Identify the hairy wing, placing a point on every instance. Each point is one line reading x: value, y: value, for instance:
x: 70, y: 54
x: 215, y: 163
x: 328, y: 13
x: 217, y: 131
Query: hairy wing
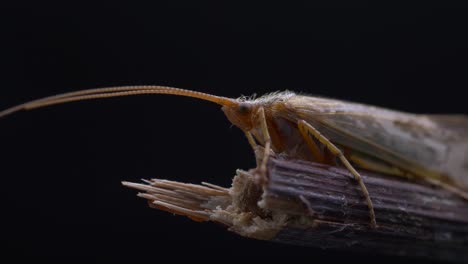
x: 427, y: 145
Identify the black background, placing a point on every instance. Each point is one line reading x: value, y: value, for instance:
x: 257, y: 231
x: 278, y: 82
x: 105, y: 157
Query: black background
x: 61, y: 166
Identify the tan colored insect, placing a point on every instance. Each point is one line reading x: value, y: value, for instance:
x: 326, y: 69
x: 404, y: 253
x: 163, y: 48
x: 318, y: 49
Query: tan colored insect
x: 431, y: 147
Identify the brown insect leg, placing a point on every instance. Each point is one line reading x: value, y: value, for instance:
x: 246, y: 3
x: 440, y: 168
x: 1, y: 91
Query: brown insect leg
x: 365, y: 162
x: 317, y: 154
x: 254, y: 146
x: 251, y: 140
x: 267, y: 140
x: 448, y: 187
x: 310, y: 130
x: 369, y: 163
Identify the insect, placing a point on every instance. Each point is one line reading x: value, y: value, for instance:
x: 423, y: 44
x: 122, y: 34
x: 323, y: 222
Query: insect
x: 430, y: 147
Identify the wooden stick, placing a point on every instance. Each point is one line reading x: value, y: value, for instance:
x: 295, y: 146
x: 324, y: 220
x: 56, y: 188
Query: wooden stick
x: 311, y: 204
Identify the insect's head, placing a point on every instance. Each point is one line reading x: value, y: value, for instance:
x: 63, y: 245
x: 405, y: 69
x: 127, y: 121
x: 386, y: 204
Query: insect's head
x: 241, y: 114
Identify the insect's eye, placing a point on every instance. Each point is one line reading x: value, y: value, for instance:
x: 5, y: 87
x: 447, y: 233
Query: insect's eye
x: 243, y: 108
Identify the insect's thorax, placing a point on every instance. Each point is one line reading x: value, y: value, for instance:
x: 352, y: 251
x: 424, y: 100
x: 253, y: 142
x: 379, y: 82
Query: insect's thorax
x: 286, y: 138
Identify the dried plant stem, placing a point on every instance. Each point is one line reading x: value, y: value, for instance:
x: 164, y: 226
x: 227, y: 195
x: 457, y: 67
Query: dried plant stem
x: 314, y: 205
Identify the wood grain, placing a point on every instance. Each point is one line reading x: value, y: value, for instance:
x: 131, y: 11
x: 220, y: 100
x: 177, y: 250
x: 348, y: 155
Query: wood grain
x: 310, y: 204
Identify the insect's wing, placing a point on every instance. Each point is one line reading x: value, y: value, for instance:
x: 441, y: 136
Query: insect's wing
x: 426, y: 145
x: 421, y: 149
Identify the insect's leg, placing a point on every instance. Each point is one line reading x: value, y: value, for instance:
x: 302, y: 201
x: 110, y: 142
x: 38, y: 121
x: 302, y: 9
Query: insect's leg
x: 448, y: 187
x: 369, y: 163
x: 254, y: 145
x: 317, y: 154
x: 310, y: 130
x: 251, y: 140
x: 266, y: 139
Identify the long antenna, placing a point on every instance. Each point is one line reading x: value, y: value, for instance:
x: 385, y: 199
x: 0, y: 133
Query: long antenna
x: 115, y: 92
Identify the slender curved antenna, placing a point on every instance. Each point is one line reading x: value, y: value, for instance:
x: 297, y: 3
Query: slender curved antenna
x: 115, y: 92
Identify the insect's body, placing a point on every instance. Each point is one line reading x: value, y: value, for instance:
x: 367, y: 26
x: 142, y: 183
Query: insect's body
x: 424, y: 146
x: 431, y: 147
